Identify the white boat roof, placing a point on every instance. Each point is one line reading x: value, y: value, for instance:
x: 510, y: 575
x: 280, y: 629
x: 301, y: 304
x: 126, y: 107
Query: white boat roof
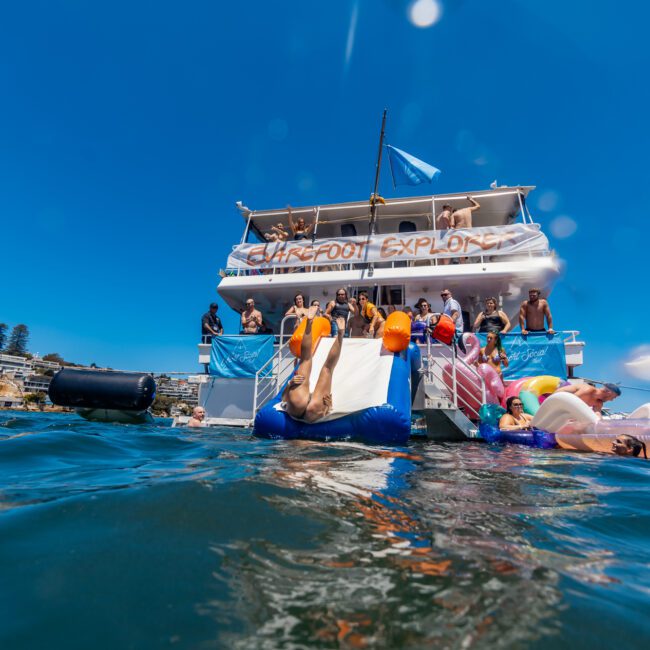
x: 498, y: 207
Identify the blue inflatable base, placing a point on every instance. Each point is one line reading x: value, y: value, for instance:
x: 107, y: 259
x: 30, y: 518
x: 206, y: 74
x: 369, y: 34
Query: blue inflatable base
x: 529, y: 437
x: 384, y: 425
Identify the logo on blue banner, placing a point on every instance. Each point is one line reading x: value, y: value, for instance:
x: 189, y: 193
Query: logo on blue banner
x: 537, y: 353
x: 239, y: 356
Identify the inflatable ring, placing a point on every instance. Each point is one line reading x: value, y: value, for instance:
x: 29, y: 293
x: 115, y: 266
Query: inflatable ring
x: 542, y: 384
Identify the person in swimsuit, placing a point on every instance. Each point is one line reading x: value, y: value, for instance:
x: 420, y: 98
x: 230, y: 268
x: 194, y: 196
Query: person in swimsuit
x: 300, y: 402
x: 592, y: 396
x: 298, y: 309
x: 374, y: 320
x: 425, y: 314
x: 316, y: 303
x: 356, y: 324
x: 532, y: 313
x: 299, y: 229
x: 627, y: 445
x: 251, y: 318
x: 515, y: 418
x: 279, y: 233
x: 198, y: 417
x: 340, y: 307
x: 493, y: 353
x: 492, y: 319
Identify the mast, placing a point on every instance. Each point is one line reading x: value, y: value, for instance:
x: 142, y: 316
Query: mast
x: 373, y: 198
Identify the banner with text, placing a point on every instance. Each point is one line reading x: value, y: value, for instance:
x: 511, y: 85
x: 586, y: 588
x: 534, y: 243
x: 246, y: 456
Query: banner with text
x: 393, y: 247
x: 537, y: 353
x: 239, y: 356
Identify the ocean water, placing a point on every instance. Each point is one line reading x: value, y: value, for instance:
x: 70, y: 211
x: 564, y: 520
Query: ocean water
x: 117, y: 536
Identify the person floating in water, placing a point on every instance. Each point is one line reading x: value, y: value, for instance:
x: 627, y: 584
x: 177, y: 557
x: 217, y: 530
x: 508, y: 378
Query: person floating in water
x: 626, y: 445
x: 592, y: 396
x: 198, y: 417
x: 515, y: 419
x: 299, y: 402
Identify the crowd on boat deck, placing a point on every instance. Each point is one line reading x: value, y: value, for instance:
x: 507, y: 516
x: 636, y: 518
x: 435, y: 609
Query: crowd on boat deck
x: 365, y: 319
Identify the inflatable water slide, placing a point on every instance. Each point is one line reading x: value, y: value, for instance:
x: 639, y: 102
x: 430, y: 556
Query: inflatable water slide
x: 371, y: 388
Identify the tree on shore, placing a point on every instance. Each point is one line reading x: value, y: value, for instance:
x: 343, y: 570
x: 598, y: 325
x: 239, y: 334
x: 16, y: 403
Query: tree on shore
x: 18, y: 341
x: 3, y: 335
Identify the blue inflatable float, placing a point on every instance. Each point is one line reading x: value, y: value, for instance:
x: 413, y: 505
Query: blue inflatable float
x: 367, y: 373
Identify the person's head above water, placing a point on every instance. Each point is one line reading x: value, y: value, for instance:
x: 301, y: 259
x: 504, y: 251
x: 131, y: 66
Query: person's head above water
x: 514, y: 406
x: 626, y: 445
x: 198, y: 412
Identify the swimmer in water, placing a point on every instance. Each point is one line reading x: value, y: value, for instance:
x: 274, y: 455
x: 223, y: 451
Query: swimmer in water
x: 300, y: 403
x: 626, y: 445
x: 592, y: 396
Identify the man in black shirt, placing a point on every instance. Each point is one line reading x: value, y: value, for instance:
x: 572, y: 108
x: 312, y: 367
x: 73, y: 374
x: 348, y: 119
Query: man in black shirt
x: 211, y: 324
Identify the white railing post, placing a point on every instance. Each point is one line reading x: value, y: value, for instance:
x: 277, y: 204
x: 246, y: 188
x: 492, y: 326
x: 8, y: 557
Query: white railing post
x: 454, y: 384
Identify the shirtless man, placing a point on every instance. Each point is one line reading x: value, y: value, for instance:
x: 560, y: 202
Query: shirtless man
x: 462, y: 218
x: 251, y: 318
x: 300, y: 402
x: 356, y: 323
x: 592, y: 396
x: 198, y: 415
x: 532, y: 313
x: 443, y: 220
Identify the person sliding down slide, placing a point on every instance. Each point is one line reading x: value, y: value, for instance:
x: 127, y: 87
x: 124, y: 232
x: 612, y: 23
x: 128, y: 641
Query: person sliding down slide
x: 300, y: 403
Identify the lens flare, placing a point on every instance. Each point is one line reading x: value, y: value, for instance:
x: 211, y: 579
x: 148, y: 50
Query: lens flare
x: 424, y: 13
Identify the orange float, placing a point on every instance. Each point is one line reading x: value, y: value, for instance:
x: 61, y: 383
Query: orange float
x: 320, y: 327
x: 397, y: 331
x: 445, y: 329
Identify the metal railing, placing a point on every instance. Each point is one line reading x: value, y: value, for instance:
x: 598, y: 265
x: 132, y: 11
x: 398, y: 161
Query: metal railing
x: 436, y: 371
x: 269, y: 377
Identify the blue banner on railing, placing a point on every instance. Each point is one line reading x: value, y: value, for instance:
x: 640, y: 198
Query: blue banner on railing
x: 535, y: 354
x: 239, y: 356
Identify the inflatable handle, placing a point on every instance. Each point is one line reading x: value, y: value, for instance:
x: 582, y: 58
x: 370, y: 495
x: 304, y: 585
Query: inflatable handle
x: 473, y: 347
x: 397, y: 332
x: 320, y: 327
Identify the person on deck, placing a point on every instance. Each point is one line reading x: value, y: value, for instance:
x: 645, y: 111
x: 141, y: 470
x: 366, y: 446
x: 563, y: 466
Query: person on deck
x: 453, y: 310
x: 356, y: 323
x: 299, y: 402
x: 374, y: 320
x: 492, y: 319
x: 443, y: 219
x: 532, y: 313
x: 211, y: 324
x: 462, y: 217
x: 425, y: 314
x: 279, y: 233
x: 251, y: 318
x: 592, y: 396
x: 298, y: 309
x: 198, y: 417
x: 493, y: 353
x: 316, y: 303
x: 409, y: 312
x: 515, y: 418
x: 340, y: 307
x: 299, y: 229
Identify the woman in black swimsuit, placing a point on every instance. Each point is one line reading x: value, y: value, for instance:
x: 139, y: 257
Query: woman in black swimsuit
x: 492, y: 319
x: 339, y: 308
x: 299, y: 229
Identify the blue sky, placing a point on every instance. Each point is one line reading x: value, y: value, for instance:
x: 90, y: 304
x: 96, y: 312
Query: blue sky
x: 128, y: 131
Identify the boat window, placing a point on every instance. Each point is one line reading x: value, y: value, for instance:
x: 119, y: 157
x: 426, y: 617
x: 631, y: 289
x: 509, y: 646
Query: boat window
x: 348, y: 230
x: 392, y: 295
x: 407, y: 226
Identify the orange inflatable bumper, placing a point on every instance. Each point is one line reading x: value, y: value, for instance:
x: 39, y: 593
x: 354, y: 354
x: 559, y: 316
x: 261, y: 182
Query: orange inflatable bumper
x: 320, y: 327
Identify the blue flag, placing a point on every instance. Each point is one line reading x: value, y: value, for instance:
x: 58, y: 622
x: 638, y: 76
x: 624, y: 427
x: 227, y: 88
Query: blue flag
x: 409, y: 170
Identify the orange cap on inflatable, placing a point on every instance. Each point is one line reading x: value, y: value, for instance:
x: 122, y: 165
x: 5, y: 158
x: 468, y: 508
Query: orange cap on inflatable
x: 445, y: 329
x: 397, y: 331
x: 320, y: 327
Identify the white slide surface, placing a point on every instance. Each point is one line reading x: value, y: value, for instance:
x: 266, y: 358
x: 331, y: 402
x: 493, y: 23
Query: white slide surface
x: 360, y: 379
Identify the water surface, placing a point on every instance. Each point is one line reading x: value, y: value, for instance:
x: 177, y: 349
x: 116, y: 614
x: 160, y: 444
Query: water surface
x: 115, y: 536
